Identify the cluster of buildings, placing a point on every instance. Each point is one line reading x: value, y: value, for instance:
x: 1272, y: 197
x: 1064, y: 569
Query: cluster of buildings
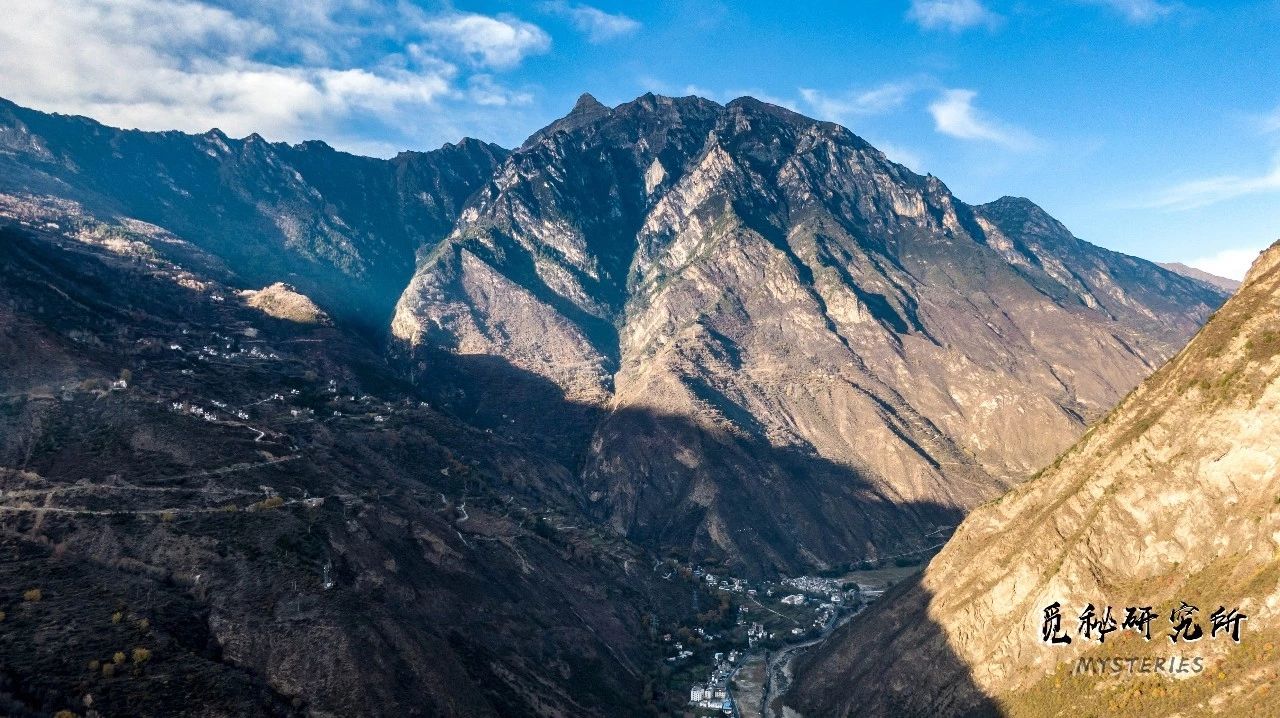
x: 681, y: 653
x: 825, y: 596
x: 711, y: 698
x: 735, y: 585
x: 714, y: 693
x: 183, y: 407
x: 210, y: 414
x: 229, y: 352
x: 813, y: 584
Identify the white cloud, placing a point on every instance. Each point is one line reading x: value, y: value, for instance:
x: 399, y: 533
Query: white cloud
x: 860, y: 103
x: 954, y: 15
x: 497, y: 42
x: 1137, y: 11
x: 598, y: 25
x: 287, y: 70
x: 1211, y: 190
x: 1230, y: 263
x: 955, y: 115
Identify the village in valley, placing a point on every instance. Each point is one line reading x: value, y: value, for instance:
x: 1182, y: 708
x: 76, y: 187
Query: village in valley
x: 748, y: 626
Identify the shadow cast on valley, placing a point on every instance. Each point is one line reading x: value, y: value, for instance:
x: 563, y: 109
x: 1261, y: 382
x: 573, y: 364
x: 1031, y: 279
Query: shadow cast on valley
x: 731, y: 502
x: 700, y: 490
x: 892, y: 661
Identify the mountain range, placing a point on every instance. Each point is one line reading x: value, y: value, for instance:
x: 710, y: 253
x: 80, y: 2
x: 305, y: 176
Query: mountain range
x: 795, y: 352
x: 448, y: 415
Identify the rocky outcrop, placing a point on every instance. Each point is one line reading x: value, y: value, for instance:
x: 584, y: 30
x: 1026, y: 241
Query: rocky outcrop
x: 282, y: 302
x: 1172, y: 497
x: 799, y: 354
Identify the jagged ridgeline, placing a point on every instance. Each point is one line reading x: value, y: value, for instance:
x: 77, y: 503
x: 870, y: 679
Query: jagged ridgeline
x: 780, y: 347
x: 341, y: 435
x: 1174, y: 497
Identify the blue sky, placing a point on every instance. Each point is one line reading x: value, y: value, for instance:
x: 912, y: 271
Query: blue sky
x: 1147, y: 126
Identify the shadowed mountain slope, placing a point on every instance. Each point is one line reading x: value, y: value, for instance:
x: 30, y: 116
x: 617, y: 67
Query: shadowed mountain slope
x: 768, y: 279
x: 271, y: 513
x: 673, y: 329
x: 343, y: 228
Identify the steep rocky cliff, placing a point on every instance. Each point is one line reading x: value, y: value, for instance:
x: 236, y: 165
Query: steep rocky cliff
x: 786, y: 348
x: 1174, y: 497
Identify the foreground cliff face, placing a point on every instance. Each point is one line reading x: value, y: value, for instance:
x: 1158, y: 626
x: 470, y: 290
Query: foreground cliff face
x: 789, y: 350
x: 1174, y: 497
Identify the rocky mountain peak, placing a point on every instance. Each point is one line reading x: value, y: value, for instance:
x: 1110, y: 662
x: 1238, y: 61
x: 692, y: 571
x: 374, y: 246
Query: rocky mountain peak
x: 745, y: 282
x: 586, y: 111
x: 750, y: 106
x: 725, y: 336
x: 1020, y: 211
x: 588, y: 104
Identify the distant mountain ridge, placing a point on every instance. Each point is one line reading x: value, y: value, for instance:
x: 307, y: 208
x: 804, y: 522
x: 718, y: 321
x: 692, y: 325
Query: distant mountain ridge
x: 344, y: 228
x: 862, y: 354
x: 1223, y: 283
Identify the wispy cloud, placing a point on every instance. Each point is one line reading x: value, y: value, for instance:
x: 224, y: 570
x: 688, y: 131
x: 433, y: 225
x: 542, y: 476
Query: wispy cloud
x: 953, y: 15
x: 598, y: 25
x: 486, y: 91
x: 1212, y: 190
x: 1271, y: 122
x: 1230, y: 263
x: 1206, y: 191
x: 1138, y: 11
x: 357, y: 74
x: 954, y: 115
x: 844, y: 106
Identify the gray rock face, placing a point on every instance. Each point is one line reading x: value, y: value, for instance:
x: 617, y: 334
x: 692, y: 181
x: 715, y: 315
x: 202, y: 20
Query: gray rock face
x: 798, y: 353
